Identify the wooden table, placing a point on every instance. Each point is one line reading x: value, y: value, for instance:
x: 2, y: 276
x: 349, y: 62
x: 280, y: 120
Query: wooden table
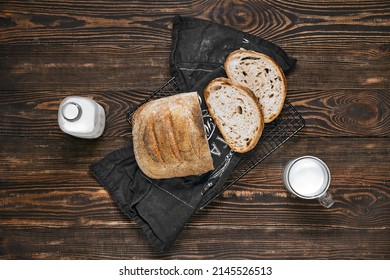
x: 51, y: 207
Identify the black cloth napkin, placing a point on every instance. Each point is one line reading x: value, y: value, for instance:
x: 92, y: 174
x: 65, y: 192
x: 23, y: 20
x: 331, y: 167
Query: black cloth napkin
x: 201, y: 46
x: 163, y: 207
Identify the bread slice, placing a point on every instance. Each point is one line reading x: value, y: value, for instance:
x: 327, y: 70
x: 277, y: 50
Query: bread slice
x: 169, y: 138
x: 262, y: 75
x: 236, y: 113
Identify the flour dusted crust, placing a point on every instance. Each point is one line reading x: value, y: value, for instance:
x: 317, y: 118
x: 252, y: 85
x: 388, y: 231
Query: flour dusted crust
x: 169, y: 138
x: 236, y: 113
x: 262, y: 75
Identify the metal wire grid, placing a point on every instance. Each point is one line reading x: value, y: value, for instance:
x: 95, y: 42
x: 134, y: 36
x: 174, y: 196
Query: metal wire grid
x: 169, y: 88
x: 287, y: 124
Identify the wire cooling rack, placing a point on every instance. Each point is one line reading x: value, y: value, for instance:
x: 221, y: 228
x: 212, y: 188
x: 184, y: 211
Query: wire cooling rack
x: 286, y: 125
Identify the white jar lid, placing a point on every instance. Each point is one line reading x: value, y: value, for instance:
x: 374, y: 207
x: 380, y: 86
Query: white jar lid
x: 71, y: 111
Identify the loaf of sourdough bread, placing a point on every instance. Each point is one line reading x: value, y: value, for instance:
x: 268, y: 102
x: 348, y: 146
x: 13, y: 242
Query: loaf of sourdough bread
x: 169, y: 138
x: 236, y: 113
x: 262, y: 76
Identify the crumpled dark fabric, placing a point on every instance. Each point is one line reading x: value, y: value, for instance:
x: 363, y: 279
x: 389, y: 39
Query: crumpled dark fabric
x: 163, y: 207
x: 200, y: 46
x: 155, y: 207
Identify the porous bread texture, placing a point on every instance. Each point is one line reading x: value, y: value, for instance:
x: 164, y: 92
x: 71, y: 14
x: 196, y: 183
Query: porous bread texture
x: 169, y: 138
x: 262, y: 75
x: 236, y: 113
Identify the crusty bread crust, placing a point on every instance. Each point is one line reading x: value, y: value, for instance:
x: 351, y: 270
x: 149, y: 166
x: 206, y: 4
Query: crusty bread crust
x: 236, y: 112
x: 169, y: 138
x: 263, y: 76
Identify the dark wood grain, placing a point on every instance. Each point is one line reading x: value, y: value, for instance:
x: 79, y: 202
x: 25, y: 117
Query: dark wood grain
x: 107, y: 41
x: 340, y: 112
x: 117, y: 52
x: 250, y: 243
x: 74, y: 201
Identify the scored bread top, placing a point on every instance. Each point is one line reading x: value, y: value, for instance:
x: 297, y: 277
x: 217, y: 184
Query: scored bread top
x: 262, y: 75
x: 169, y: 138
x: 236, y: 113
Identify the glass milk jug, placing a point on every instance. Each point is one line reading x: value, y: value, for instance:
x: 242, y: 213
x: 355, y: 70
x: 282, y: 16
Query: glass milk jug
x: 81, y: 117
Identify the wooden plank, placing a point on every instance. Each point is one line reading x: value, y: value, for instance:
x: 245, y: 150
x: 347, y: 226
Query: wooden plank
x: 101, y: 23
x: 328, y: 113
x: 79, y: 69
x: 61, y: 192
x: 343, y: 112
x: 145, y: 67
x: 195, y: 243
x: 98, y: 47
